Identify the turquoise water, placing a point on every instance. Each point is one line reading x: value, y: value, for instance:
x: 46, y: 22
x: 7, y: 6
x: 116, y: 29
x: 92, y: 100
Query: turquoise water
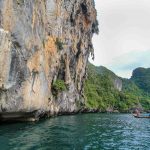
x: 79, y: 132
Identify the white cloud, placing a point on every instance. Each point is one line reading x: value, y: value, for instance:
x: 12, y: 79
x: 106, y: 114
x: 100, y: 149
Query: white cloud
x: 125, y: 64
x: 124, y: 28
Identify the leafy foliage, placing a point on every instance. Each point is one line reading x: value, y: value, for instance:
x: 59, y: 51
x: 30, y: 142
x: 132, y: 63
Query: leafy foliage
x: 58, y: 86
x: 59, y: 44
x: 20, y: 2
x: 141, y: 77
x: 101, y: 93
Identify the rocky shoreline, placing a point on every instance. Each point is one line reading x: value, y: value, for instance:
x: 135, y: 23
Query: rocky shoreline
x: 36, y: 115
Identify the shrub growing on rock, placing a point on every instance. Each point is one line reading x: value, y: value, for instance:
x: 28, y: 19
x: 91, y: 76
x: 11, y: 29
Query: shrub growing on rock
x: 58, y: 86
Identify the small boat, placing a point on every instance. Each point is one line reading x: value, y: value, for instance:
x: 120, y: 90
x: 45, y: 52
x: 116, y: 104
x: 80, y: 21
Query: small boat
x: 142, y: 116
x: 18, y: 116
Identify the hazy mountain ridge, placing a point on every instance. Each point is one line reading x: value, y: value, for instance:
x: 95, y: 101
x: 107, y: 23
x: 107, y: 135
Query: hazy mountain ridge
x: 141, y: 77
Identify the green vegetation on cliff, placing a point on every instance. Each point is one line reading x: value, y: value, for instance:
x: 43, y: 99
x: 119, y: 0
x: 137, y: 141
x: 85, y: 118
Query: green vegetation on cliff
x: 106, y: 91
x: 141, y: 76
x: 58, y: 86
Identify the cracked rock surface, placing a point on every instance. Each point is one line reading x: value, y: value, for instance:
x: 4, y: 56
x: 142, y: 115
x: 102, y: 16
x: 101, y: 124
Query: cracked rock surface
x: 41, y: 42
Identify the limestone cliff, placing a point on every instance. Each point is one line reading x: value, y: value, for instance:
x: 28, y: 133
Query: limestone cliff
x: 42, y: 41
x: 117, y: 82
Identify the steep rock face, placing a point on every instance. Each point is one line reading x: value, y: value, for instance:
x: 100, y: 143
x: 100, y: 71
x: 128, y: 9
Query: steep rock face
x: 40, y: 42
x: 117, y: 82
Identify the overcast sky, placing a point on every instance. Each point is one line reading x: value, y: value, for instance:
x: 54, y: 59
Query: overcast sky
x: 124, y: 39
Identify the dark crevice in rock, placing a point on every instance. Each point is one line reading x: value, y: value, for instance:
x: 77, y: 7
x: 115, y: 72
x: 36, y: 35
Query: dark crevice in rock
x: 84, y: 8
x: 72, y: 20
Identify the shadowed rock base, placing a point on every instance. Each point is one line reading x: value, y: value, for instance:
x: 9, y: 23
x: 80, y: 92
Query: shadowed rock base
x: 19, y: 116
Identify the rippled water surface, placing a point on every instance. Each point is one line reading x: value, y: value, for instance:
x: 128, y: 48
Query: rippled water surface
x: 85, y: 132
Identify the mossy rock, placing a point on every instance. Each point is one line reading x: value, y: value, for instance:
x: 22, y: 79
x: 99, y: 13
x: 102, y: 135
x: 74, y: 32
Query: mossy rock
x: 58, y: 86
x: 59, y: 44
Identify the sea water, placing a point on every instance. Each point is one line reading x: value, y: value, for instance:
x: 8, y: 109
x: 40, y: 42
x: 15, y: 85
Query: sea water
x: 78, y: 132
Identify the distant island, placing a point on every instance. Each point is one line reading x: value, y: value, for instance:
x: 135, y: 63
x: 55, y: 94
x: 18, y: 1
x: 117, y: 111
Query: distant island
x: 106, y: 91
